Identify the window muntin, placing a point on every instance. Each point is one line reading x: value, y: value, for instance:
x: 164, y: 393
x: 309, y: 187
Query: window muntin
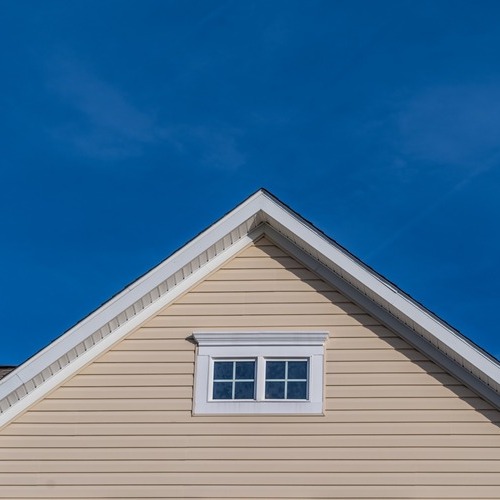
x: 286, y: 379
x: 234, y: 379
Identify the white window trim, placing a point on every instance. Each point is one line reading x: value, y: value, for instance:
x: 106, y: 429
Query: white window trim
x: 259, y: 345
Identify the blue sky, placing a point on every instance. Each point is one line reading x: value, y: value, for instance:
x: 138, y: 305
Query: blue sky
x: 127, y: 127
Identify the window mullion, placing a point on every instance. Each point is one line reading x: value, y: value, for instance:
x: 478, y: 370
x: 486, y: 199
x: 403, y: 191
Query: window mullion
x: 233, y: 383
x: 260, y: 378
x: 286, y: 380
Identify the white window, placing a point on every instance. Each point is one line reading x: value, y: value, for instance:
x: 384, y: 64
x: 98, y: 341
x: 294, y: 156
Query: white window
x: 259, y: 372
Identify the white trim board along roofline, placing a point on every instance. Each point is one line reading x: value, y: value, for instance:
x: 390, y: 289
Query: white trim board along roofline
x: 261, y: 213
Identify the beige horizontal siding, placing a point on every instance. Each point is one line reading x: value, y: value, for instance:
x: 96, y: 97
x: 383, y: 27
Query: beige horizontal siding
x: 269, y: 285
x: 449, y: 440
x: 263, y: 309
x: 138, y: 368
x: 258, y: 263
x: 166, y: 477
x: 105, y: 491
x: 395, y: 424
x: 352, y: 455
x: 259, y: 429
x: 245, y: 297
x: 244, y: 274
x: 262, y: 465
x: 462, y: 414
x: 261, y: 321
x: 365, y: 400
x: 171, y: 403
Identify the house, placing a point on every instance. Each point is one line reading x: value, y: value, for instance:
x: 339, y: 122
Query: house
x: 261, y: 360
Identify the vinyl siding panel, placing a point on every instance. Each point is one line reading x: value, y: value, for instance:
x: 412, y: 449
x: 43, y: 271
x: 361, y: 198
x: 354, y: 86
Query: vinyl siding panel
x: 395, y: 426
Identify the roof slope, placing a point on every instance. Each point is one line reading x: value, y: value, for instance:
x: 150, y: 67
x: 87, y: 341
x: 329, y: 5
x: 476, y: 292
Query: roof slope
x: 5, y: 370
x: 261, y: 213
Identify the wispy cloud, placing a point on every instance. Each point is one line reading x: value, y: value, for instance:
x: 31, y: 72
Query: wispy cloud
x: 431, y: 208
x: 218, y: 146
x: 104, y: 123
x: 451, y: 124
x: 447, y: 126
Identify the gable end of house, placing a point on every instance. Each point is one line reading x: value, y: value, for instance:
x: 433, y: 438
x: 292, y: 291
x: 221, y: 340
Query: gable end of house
x: 261, y: 214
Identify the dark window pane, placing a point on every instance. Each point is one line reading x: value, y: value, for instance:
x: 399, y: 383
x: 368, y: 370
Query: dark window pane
x: 297, y: 369
x: 245, y: 370
x: 296, y: 390
x: 223, y: 390
x: 244, y: 390
x: 275, y: 390
x: 275, y: 370
x: 223, y: 370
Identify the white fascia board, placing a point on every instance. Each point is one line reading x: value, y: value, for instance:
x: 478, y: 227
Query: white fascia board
x: 130, y: 295
x: 363, y: 277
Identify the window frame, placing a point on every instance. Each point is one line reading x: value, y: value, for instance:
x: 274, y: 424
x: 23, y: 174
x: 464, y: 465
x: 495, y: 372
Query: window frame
x: 215, y: 346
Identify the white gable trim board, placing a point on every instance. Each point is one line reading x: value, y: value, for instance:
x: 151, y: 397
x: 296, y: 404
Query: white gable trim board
x: 260, y: 214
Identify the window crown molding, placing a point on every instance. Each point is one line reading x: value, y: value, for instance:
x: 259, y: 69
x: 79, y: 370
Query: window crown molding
x: 252, y: 338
